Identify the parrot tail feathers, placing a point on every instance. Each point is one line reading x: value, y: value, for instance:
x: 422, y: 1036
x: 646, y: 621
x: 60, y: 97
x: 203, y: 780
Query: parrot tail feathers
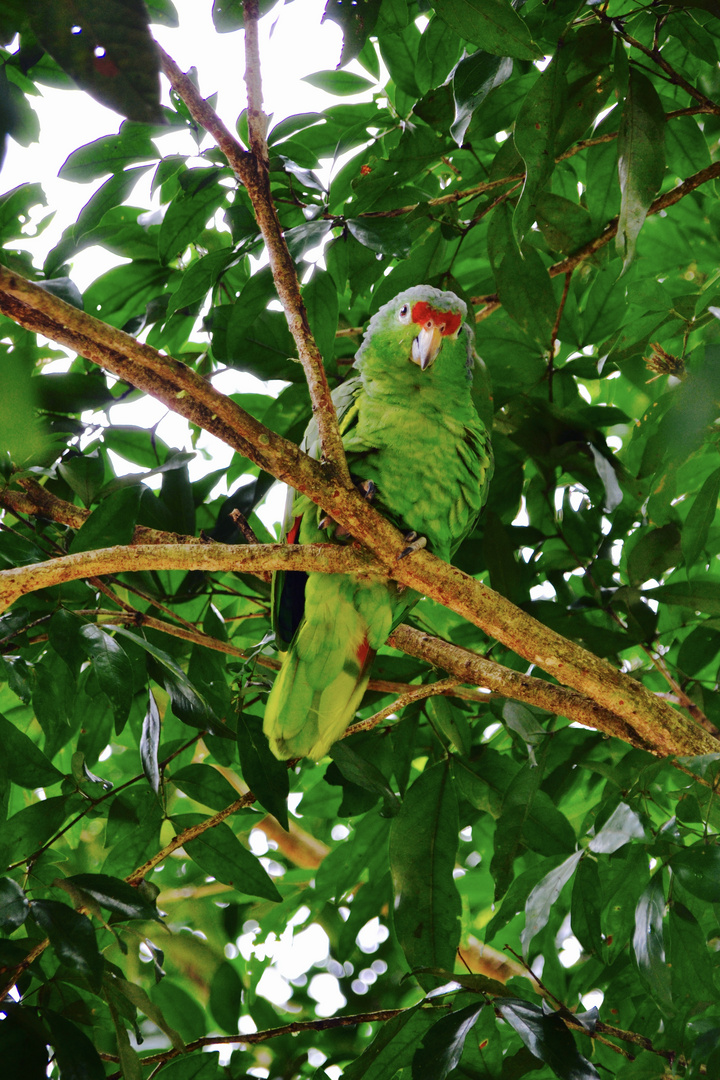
x: 316, y: 692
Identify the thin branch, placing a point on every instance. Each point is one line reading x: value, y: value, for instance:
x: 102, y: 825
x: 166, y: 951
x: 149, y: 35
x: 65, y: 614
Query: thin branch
x: 412, y: 694
x: 255, y: 1037
x: 252, y: 170
x: 711, y: 172
x: 186, y: 835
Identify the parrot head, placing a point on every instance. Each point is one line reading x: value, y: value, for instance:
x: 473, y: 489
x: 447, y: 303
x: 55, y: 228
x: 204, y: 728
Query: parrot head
x: 416, y: 323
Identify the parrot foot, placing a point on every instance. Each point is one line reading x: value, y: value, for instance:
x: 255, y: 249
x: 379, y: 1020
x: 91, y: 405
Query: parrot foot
x: 414, y: 542
x: 366, y: 488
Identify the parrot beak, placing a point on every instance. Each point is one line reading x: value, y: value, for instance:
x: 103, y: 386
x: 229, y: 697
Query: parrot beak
x: 426, y: 346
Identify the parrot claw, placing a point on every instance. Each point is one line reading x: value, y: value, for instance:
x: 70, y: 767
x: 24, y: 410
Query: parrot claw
x: 366, y: 488
x: 414, y: 542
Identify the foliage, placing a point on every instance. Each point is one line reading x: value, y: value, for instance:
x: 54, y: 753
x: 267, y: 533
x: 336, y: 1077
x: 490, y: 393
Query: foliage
x: 572, y: 202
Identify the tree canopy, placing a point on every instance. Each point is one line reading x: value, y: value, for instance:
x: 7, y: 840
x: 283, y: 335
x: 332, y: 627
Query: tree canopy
x: 513, y: 855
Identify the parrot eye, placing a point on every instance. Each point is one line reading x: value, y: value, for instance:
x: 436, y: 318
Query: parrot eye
x: 404, y: 312
x: 442, y: 328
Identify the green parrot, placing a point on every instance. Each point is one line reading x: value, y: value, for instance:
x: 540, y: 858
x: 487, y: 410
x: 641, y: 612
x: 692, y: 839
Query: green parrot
x: 417, y: 447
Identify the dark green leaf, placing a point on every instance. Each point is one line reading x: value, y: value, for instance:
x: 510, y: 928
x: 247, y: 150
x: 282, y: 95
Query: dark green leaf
x: 544, y: 896
x: 492, y: 24
x: 108, y: 51
x: 117, y: 896
x: 113, y: 522
x: 341, y: 83
x: 648, y: 942
x: 621, y: 827
x: 423, y: 842
x: 535, y: 130
x: 206, y: 785
x: 700, y: 517
x: 112, y: 667
x: 641, y: 160
x: 13, y: 905
x: 219, y: 852
x: 546, y: 1036
x: 263, y: 773
x: 698, y: 870
x: 149, y: 743
x: 75, y: 1054
x: 394, y: 1045
x: 442, y: 1047
x: 72, y: 937
x: 23, y: 761
x: 473, y: 79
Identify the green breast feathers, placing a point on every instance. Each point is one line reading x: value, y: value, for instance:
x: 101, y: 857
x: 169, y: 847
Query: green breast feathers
x: 417, y: 447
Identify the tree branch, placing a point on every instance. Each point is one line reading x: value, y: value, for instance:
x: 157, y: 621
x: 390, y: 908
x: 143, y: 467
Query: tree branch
x: 252, y: 170
x: 327, y: 558
x: 492, y: 302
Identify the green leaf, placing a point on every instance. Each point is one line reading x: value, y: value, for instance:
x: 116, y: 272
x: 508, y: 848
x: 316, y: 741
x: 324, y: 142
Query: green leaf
x: 192, y: 1067
x: 13, y: 905
x: 113, y: 670
x: 547, y: 1038
x: 140, y: 1000
x: 75, y: 1055
x: 648, y: 943
x: 107, y: 49
x: 149, y: 743
x: 110, y: 154
x: 358, y: 770
x: 84, y: 474
x: 492, y: 24
x: 423, y: 843
x: 698, y: 594
x: 112, y: 523
x: 263, y: 773
x: 700, y: 518
x: 190, y: 211
x: 117, y: 896
x: 536, y: 126
x: 23, y: 761
x: 585, y: 906
x: 473, y: 79
x: 321, y: 300
x: 340, y: 83
x: 526, y: 292
x: 226, y: 997
x: 390, y: 236
x: 641, y: 160
x: 621, y: 827
x: 207, y: 785
x: 441, y: 1049
x: 72, y: 936
x: 23, y: 1040
x: 31, y: 827
x: 544, y: 896
x: 218, y: 851
x: 691, y: 969
x: 698, y: 870
x: 187, y: 703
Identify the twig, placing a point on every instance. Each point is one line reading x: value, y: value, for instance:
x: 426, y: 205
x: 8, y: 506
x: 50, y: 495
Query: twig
x: 186, y: 835
x: 711, y: 172
x: 414, y: 693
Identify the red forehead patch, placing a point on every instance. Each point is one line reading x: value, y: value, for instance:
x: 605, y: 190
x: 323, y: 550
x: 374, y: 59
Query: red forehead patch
x: 448, y: 322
